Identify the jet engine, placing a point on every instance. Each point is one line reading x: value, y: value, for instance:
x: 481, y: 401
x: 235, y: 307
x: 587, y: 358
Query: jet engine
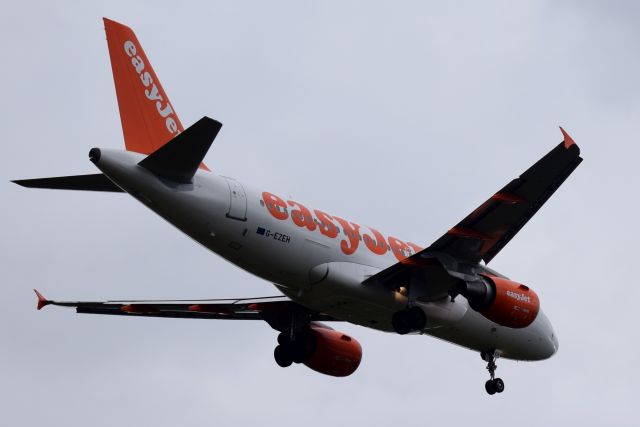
x: 335, y: 354
x: 322, y: 349
x: 501, y: 300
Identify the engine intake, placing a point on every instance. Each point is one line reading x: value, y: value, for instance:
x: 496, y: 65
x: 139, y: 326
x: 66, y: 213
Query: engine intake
x: 501, y: 300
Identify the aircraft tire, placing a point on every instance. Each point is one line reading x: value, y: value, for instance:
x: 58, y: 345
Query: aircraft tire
x: 417, y: 318
x: 282, y: 356
x: 303, y: 346
x: 498, y: 385
x: 400, y: 322
x: 489, y: 387
x: 283, y: 338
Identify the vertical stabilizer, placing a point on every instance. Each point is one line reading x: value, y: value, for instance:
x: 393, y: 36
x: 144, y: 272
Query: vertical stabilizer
x: 148, y: 119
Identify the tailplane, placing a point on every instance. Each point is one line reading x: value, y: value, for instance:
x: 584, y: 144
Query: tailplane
x: 149, y: 122
x: 178, y: 160
x: 93, y: 182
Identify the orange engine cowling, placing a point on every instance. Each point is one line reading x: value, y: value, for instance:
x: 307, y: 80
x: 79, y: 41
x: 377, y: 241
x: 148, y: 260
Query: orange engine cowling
x: 503, y: 301
x: 335, y: 353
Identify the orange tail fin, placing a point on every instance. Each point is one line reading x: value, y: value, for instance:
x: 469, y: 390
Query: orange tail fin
x: 148, y: 119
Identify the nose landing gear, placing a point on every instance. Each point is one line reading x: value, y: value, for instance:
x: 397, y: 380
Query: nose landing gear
x: 493, y: 385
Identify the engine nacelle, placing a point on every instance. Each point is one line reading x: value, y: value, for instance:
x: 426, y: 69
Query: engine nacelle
x: 503, y: 301
x: 335, y: 353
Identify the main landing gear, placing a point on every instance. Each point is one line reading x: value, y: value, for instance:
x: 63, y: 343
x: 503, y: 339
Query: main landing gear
x: 409, y: 319
x: 296, y: 341
x: 294, y: 349
x: 494, y: 385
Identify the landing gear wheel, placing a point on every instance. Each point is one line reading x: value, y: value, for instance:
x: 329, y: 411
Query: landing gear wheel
x: 400, y: 322
x: 417, y: 318
x: 498, y: 385
x: 283, y: 338
x: 302, y: 347
x: 282, y: 356
x: 490, y: 387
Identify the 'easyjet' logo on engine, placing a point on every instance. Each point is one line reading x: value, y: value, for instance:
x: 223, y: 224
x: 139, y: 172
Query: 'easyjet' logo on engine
x: 330, y: 226
x: 152, y: 93
x: 519, y: 297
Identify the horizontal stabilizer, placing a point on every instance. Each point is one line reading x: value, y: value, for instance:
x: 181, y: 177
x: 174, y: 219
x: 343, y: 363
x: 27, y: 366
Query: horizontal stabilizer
x: 179, y: 159
x: 93, y: 182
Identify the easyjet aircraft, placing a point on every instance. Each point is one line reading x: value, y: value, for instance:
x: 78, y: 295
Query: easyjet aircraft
x: 329, y: 268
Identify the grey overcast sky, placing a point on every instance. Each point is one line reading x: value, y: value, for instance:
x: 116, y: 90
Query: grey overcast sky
x: 403, y: 114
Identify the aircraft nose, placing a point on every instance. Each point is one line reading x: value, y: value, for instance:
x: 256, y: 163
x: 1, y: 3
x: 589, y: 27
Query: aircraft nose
x: 554, y: 341
x: 550, y: 343
x: 547, y: 339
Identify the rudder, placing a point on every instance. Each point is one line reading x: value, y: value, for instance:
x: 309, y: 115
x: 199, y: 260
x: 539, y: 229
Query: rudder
x: 148, y: 119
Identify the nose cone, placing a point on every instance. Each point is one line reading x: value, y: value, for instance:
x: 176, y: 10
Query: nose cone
x: 547, y: 339
x: 556, y: 344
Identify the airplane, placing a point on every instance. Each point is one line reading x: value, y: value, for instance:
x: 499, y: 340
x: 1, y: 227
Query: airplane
x: 327, y: 268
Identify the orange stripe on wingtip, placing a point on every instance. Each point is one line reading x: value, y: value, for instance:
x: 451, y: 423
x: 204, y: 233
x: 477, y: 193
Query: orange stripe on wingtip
x: 568, y: 141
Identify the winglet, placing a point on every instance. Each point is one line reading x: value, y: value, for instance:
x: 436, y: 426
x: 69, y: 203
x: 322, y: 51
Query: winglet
x: 568, y: 141
x: 42, y: 301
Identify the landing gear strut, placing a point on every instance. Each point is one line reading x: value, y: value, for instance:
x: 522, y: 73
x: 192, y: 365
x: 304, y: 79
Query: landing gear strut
x: 409, y: 319
x: 493, y: 385
x: 296, y: 341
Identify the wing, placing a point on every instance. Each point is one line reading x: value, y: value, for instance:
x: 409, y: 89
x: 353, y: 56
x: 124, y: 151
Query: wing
x: 486, y: 230
x: 273, y: 310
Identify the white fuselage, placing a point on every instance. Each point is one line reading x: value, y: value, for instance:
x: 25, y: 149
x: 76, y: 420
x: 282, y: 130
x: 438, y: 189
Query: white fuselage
x: 315, y: 269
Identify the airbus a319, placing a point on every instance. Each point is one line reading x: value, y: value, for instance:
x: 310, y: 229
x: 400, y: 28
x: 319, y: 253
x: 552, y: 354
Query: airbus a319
x: 327, y: 267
